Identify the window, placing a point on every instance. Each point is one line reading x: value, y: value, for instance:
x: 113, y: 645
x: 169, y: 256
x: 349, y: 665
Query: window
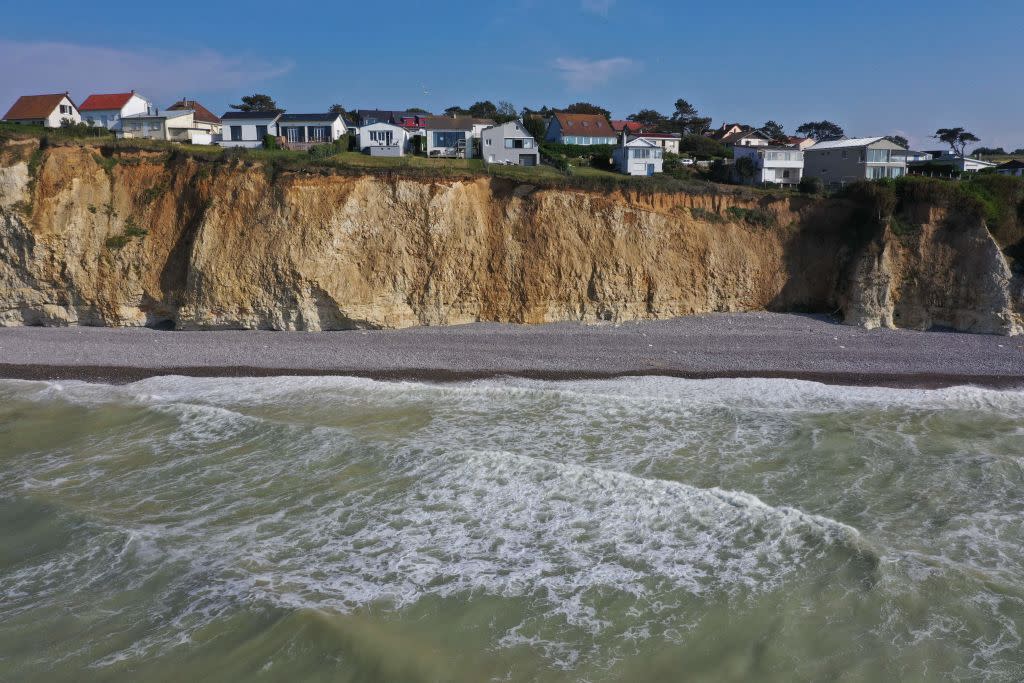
x: 261, y: 131
x: 381, y: 137
x: 895, y: 172
x: 487, y: 142
x: 528, y: 143
x: 876, y: 172
x: 845, y: 155
x: 319, y: 133
x: 785, y: 173
x: 236, y: 133
x: 878, y: 156
x: 449, y: 138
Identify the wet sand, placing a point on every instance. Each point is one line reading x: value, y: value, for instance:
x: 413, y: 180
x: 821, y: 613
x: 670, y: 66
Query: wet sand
x: 704, y: 346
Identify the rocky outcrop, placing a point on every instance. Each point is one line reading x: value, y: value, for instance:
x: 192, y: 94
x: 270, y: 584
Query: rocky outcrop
x: 137, y: 239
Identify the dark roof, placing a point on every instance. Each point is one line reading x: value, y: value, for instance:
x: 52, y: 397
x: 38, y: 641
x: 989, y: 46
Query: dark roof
x: 34, y: 106
x: 378, y: 115
x: 309, y: 117
x: 451, y: 122
x: 589, y: 124
x: 252, y: 114
x: 201, y: 112
x: 732, y: 137
x: 1011, y: 164
x: 106, y: 101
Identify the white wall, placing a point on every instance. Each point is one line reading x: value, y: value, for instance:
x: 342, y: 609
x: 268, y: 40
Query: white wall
x: 249, y: 136
x: 398, y: 134
x: 55, y: 117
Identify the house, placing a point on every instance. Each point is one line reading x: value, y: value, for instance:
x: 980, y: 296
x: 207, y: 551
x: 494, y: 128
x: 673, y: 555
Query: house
x: 201, y: 116
x: 173, y: 126
x: 453, y: 136
x: 638, y: 156
x: 580, y: 129
x: 383, y: 139
x: 914, y: 155
x: 746, y: 138
x: 365, y: 117
x: 838, y: 162
x: 107, y: 110
x: 772, y: 164
x: 43, y: 110
x: 669, y: 141
x: 248, y: 128
x: 1012, y: 167
x: 728, y: 129
x: 632, y: 127
x: 509, y: 143
x: 798, y: 142
x: 302, y: 131
x: 954, y: 162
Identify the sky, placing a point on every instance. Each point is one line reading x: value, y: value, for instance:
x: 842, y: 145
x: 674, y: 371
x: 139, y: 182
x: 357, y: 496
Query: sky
x: 902, y: 67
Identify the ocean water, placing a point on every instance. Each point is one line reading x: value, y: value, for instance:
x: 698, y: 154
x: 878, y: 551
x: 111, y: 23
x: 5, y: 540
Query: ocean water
x: 340, y: 529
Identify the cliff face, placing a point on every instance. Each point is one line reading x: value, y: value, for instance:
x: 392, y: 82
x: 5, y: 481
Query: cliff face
x: 227, y: 246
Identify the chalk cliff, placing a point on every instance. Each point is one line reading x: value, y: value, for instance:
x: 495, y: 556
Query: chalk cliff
x: 144, y: 239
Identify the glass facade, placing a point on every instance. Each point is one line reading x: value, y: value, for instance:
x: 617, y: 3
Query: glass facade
x: 878, y: 156
x: 449, y: 138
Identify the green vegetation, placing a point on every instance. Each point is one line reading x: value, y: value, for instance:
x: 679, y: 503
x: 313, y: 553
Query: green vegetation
x: 74, y: 132
x: 131, y: 231
x: 811, y: 185
x: 756, y: 217
x: 107, y: 163
x: 706, y: 215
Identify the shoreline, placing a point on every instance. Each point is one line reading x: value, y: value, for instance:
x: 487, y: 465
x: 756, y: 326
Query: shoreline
x: 720, y: 345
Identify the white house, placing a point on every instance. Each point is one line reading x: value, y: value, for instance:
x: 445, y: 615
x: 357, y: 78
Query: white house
x: 107, y: 110
x: 509, y: 143
x: 453, y: 136
x: 772, y: 164
x: 247, y: 128
x: 954, y: 161
x: 383, y: 139
x: 746, y: 138
x: 302, y: 131
x: 43, y: 110
x: 175, y: 126
x: 638, y: 156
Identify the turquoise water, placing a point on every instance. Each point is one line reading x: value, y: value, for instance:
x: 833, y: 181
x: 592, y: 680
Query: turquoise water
x: 299, y: 529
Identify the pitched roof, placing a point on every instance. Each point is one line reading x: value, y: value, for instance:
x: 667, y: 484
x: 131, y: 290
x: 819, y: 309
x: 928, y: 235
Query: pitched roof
x: 105, y: 102
x: 34, y: 106
x: 309, y: 117
x: 1012, y: 164
x: 733, y: 137
x: 451, y: 122
x: 268, y: 114
x: 592, y: 124
x: 631, y: 126
x: 846, y: 142
x: 201, y: 113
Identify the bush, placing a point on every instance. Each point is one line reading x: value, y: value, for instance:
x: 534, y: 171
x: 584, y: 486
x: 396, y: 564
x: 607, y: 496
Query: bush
x: 811, y: 185
x: 270, y: 142
x: 758, y: 217
x: 702, y: 147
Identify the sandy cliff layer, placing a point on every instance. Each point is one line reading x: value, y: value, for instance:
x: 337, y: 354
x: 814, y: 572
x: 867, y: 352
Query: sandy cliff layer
x: 229, y: 246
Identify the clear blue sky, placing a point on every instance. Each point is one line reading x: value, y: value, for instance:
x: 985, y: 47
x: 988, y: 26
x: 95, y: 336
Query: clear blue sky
x: 906, y: 67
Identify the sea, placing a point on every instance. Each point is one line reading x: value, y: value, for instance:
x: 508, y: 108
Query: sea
x: 633, y: 529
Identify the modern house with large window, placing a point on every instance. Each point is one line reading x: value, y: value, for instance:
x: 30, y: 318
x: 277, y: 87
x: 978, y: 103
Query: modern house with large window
x: 509, y: 143
x: 107, y: 110
x: 302, y: 131
x: 43, y: 110
x: 638, y: 156
x: 453, y: 136
x: 174, y: 126
x: 247, y: 128
x: 772, y: 164
x: 383, y: 139
x: 839, y: 162
x: 580, y: 129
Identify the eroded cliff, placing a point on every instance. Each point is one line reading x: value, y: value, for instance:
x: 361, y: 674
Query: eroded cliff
x: 150, y: 239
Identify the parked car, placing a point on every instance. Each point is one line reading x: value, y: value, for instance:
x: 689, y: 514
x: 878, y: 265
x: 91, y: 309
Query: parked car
x: 686, y: 161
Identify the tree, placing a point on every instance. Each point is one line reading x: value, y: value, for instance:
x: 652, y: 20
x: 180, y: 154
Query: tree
x: 456, y: 111
x: 774, y: 130
x: 649, y: 119
x: 587, y: 108
x: 686, y: 119
x: 899, y: 140
x: 745, y: 168
x: 535, y: 123
x: 417, y: 110
x: 506, y: 112
x: 990, y: 151
x: 256, y: 102
x: 1018, y: 152
x: 956, y: 138
x: 337, y: 109
x: 821, y: 130
x: 483, y: 110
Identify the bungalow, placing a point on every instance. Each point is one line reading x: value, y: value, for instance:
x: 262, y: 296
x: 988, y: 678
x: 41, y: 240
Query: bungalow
x: 452, y: 136
x: 838, y: 162
x: 955, y: 162
x: 201, y: 116
x: 509, y: 143
x: 248, y: 128
x: 383, y: 139
x: 746, y: 138
x: 43, y: 110
x: 302, y: 131
x: 1012, y: 167
x: 772, y: 164
x: 580, y: 129
x: 174, y: 126
x: 638, y: 156
x: 106, y: 111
